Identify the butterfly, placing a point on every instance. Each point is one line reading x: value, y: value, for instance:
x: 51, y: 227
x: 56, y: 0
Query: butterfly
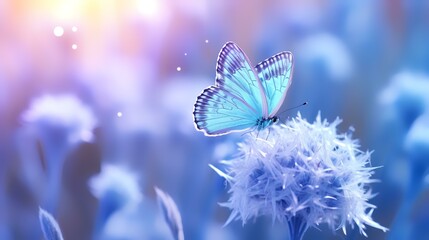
x: 243, y: 97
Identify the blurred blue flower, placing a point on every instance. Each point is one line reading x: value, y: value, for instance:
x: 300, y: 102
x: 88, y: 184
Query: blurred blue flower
x: 406, y: 105
x: 171, y: 214
x: 123, y: 212
x: 304, y: 174
x: 58, y: 123
x: 417, y: 142
x: 406, y: 97
x: 327, y: 55
x: 51, y: 229
x: 61, y: 118
x: 402, y: 101
x: 116, y: 188
x: 416, y: 146
x: 116, y: 181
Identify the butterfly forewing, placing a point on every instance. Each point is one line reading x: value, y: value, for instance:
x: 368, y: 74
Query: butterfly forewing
x: 275, y: 74
x: 236, y: 75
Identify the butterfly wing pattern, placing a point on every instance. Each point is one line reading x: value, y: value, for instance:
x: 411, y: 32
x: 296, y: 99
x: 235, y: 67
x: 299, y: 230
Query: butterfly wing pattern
x: 243, y: 97
x: 275, y: 74
x: 235, y: 101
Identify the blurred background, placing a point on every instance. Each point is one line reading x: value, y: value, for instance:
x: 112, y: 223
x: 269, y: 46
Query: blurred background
x: 96, y: 101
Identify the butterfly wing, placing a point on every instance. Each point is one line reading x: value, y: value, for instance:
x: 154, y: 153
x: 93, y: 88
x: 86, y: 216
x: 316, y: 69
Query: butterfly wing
x: 236, y: 101
x: 218, y: 112
x: 275, y: 74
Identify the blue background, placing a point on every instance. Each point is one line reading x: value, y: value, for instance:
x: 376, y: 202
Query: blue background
x: 362, y: 60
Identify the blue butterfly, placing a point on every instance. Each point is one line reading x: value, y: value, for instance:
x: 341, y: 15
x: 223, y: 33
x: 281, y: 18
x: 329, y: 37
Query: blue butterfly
x: 243, y: 97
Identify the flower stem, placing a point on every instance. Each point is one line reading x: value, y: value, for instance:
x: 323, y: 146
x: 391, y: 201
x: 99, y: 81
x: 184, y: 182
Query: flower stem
x: 297, y: 228
x: 402, y: 226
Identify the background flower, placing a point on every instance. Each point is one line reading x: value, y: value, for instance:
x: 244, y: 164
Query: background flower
x: 53, y: 125
x: 405, y: 102
x: 123, y: 213
x: 59, y: 118
x: 115, y: 187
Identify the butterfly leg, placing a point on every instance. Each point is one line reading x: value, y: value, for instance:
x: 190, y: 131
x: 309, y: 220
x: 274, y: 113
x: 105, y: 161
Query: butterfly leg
x: 246, y: 132
x: 268, y: 134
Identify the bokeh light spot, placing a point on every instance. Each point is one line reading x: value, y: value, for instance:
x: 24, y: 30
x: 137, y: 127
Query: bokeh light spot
x: 58, y: 31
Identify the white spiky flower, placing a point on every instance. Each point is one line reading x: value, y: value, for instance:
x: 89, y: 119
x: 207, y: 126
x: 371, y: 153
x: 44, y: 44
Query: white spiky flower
x: 303, y: 174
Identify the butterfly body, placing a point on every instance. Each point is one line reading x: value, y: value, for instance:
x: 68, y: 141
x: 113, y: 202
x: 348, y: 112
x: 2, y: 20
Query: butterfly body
x: 265, y: 122
x: 243, y: 97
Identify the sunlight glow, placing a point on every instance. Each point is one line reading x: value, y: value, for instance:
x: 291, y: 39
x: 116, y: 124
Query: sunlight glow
x: 150, y: 9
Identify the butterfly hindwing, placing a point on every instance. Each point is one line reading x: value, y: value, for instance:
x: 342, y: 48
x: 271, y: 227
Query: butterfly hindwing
x: 218, y: 112
x: 275, y: 74
x: 236, y: 101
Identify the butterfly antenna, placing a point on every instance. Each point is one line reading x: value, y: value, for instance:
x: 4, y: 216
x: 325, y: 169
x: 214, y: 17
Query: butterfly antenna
x: 288, y: 109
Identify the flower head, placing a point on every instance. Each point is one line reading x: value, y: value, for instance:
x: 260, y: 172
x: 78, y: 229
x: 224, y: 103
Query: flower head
x: 61, y: 117
x: 117, y: 189
x: 117, y: 184
x: 304, y: 174
x: 417, y: 141
x: 59, y: 123
x: 406, y: 97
